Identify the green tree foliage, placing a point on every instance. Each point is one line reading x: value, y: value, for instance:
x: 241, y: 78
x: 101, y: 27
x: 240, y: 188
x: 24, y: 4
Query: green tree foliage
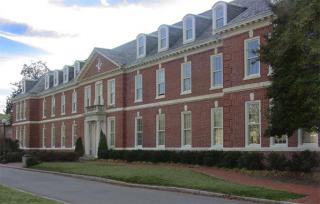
x: 103, y: 147
x: 79, y: 147
x: 293, y: 51
x: 32, y: 71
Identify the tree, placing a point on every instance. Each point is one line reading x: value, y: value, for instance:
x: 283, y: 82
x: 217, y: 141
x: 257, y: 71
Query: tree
x: 103, y: 147
x: 79, y: 147
x: 32, y: 71
x: 293, y: 52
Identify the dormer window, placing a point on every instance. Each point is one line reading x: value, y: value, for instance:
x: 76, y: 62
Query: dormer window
x: 76, y: 68
x: 163, y: 38
x: 56, y: 78
x: 65, y: 74
x: 189, y: 29
x: 23, y: 87
x: 219, y: 15
x: 47, y: 81
x: 141, y: 46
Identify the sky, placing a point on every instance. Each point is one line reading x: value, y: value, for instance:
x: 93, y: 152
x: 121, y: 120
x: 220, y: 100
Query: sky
x: 59, y: 32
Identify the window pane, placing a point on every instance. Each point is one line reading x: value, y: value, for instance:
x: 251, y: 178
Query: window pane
x: 217, y: 135
x: 219, y: 12
x: 219, y: 23
x: 309, y: 137
x: 252, y: 48
x: 217, y: 78
x: 253, y: 66
x: 254, y: 123
x: 217, y: 117
x: 254, y: 134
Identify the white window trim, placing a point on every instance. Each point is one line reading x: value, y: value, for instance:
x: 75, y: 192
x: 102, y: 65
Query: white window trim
x: 44, y: 136
x: 141, y: 55
x: 111, y: 103
x: 253, y: 76
x: 53, y: 142
x: 17, y: 111
x: 274, y: 145
x: 63, y: 135
x: 109, y: 119
x: 53, y: 104
x: 306, y: 145
x: 76, y: 68
x: 247, y: 145
x: 216, y: 146
x: 44, y: 108
x: 212, y: 87
x: 224, y: 5
x: 159, y: 38
x: 157, y: 131
x: 136, y: 100
x: 74, y: 126
x: 56, y: 78
x: 63, y: 104
x: 87, y: 94
x: 185, y: 40
x: 97, y: 94
x: 74, y: 101
x: 136, y: 133
x: 181, y: 78
x: 47, y: 81
x: 65, y: 74
x: 182, y: 130
x: 157, y: 83
x: 23, y: 86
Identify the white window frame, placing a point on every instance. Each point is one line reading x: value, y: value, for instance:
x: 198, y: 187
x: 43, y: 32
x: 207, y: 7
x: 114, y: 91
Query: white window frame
x: 136, y: 99
x: 111, y: 91
x: 65, y: 74
x: 44, y: 108
x: 56, y: 78
x: 87, y: 96
x: 185, y: 19
x: 161, y: 38
x: 110, y: 120
x: 183, y: 92
x: 74, y: 133
x: 53, y: 106
x: 63, y: 135
x: 21, y: 111
x: 306, y: 145
x: 144, y: 40
x: 17, y: 111
x: 185, y: 146
x: 24, y: 111
x: 53, y: 136
x: 248, y: 145
x: 76, y: 68
x: 246, y: 66
x: 136, y: 132
x: 158, y: 130
x: 47, y: 81
x: 213, y: 145
x: 212, y: 58
x: 74, y: 101
x: 44, y: 136
x: 158, y: 83
x: 23, y: 86
x: 99, y: 93
x: 63, y: 104
x: 214, y: 16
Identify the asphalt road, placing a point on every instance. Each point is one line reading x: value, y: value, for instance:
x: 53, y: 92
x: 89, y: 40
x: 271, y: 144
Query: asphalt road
x: 78, y: 191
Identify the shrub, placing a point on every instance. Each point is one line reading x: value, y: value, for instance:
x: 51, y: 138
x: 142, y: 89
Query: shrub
x: 31, y: 161
x: 53, y: 156
x: 304, y: 161
x: 11, y: 157
x: 251, y: 161
x: 277, y: 161
x: 79, y: 147
x: 10, y: 145
x: 103, y: 147
x: 230, y: 159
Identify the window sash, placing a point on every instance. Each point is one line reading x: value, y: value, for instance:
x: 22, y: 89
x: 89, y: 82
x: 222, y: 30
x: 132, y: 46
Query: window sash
x: 217, y: 73
x: 53, y: 137
x: 74, y: 102
x: 186, y: 77
x: 139, y: 132
x: 217, y: 126
x: 160, y: 129
x: 87, y: 97
x: 63, y: 136
x: 111, y: 92
x: 186, y: 129
x: 189, y: 29
x: 53, y: 106
x: 63, y: 104
x: 138, y: 87
x: 43, y: 137
x: 309, y: 137
x: 252, y: 57
x: 160, y: 82
x: 74, y: 134
x: 253, y: 123
x: 112, y: 130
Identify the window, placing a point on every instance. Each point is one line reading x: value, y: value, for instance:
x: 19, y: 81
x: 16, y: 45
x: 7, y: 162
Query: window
x: 217, y: 126
x: 17, y: 111
x: 112, y: 131
x: 186, y: 128
x: 22, y: 136
x: 138, y: 87
x: 160, y: 119
x: 76, y: 68
x: 47, y: 81
x: 111, y: 92
x: 21, y: 111
x: 44, y: 108
x: 163, y: 38
x: 74, y: 101
x: 186, y: 78
x: 17, y: 133
x: 63, y: 135
x: 74, y: 133
x: 161, y: 89
x: 65, y: 74
x: 99, y: 94
x: 53, y: 136
x: 23, y: 87
x: 216, y: 69
x: 252, y: 58
x: 219, y: 15
x: 87, y: 96
x: 53, y: 106
x: 188, y: 29
x: 63, y: 104
x: 138, y: 131
x: 24, y: 113
x: 56, y: 78
x: 308, y: 138
x: 44, y: 136
x: 253, y: 122
x: 141, y: 46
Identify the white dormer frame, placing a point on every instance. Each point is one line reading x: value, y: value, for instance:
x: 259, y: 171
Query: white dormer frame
x: 47, y: 81
x: 185, y: 19
x: 144, y: 41
x: 214, y: 19
x: 23, y: 86
x: 56, y: 78
x: 76, y: 70
x: 160, y: 38
x: 65, y: 74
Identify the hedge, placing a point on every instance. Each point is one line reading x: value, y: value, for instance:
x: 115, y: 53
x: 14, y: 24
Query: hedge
x: 54, y: 156
x: 303, y: 161
x: 11, y: 157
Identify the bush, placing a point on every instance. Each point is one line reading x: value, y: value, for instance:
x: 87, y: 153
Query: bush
x: 277, y: 161
x: 31, y: 161
x: 11, y: 157
x: 54, y: 156
x: 304, y: 161
x: 10, y: 145
x: 251, y: 161
x: 79, y: 147
x: 230, y: 160
x: 103, y: 147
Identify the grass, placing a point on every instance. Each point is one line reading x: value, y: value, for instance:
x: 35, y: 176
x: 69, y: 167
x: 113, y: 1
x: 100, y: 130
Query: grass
x: 11, y: 196
x: 165, y: 176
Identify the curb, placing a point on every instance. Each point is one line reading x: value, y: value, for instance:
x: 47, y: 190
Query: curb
x: 152, y: 187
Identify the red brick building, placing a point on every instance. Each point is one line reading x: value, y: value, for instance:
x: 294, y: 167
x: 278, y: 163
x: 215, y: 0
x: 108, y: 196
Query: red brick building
x: 194, y: 85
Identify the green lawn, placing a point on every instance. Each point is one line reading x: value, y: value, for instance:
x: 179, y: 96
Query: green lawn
x: 165, y: 176
x: 11, y: 196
